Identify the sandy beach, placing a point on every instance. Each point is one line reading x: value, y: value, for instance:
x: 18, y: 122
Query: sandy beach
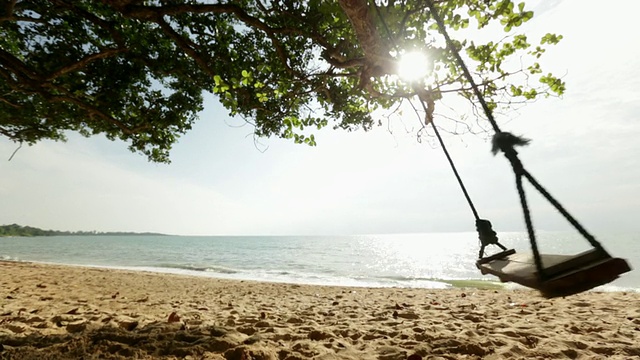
x: 61, y: 312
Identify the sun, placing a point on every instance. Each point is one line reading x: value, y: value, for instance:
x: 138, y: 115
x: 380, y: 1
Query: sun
x: 413, y: 66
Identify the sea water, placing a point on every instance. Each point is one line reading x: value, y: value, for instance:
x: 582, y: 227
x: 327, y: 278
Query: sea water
x: 434, y: 260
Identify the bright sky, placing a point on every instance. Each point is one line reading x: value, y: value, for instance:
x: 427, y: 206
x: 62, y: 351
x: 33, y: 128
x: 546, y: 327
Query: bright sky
x: 585, y: 151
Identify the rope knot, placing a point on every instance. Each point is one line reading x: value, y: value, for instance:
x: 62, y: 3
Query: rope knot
x: 485, y: 232
x: 506, y: 142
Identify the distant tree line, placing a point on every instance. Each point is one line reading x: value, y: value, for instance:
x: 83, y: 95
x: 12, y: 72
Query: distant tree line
x: 18, y: 230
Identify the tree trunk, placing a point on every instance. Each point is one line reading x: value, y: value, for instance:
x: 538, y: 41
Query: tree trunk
x: 376, y: 50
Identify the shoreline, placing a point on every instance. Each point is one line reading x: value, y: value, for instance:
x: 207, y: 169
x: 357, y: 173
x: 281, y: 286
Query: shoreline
x: 492, y: 284
x: 485, y: 283
x: 67, y: 312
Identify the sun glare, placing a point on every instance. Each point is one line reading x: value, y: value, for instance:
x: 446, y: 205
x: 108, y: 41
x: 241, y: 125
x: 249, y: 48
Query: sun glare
x: 412, y: 66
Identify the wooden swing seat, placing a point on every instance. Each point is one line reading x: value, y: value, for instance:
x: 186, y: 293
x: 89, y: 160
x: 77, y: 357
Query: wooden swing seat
x: 564, y: 274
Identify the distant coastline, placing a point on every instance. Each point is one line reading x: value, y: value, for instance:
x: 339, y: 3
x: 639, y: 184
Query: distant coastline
x: 28, y: 231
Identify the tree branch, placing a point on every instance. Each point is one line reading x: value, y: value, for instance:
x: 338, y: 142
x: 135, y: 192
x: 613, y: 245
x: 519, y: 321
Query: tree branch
x: 153, y: 13
x: 17, y: 67
x: 282, y: 54
x: 108, y: 26
x: 7, y: 10
x: 376, y: 50
x: 84, y: 62
x: 90, y: 109
x: 185, y: 44
x: 37, y: 84
x: 25, y: 19
x: 345, y: 64
x: 15, y: 151
x: 15, y: 106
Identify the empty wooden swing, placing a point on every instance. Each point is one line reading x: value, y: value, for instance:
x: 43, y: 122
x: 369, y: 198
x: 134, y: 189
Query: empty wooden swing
x: 552, y: 275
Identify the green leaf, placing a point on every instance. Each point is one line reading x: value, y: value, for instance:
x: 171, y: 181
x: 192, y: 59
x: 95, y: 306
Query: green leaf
x: 550, y: 39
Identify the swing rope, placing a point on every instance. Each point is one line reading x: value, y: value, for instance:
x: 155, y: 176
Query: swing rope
x: 428, y: 109
x: 486, y: 234
x: 504, y: 142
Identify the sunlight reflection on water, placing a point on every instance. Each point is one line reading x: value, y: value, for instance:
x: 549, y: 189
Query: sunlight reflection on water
x: 413, y: 260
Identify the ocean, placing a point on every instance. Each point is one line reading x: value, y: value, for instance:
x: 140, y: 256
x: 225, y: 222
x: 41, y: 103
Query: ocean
x: 433, y: 260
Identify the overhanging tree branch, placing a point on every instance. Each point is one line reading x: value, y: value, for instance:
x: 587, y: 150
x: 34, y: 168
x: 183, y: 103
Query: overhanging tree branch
x: 376, y: 50
x: 186, y: 45
x: 17, y: 67
x: 83, y: 63
x: 7, y: 10
x: 84, y: 14
x: 136, y: 69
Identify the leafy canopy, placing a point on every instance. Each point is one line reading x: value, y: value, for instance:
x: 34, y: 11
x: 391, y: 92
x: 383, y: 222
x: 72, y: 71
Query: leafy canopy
x: 136, y: 70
